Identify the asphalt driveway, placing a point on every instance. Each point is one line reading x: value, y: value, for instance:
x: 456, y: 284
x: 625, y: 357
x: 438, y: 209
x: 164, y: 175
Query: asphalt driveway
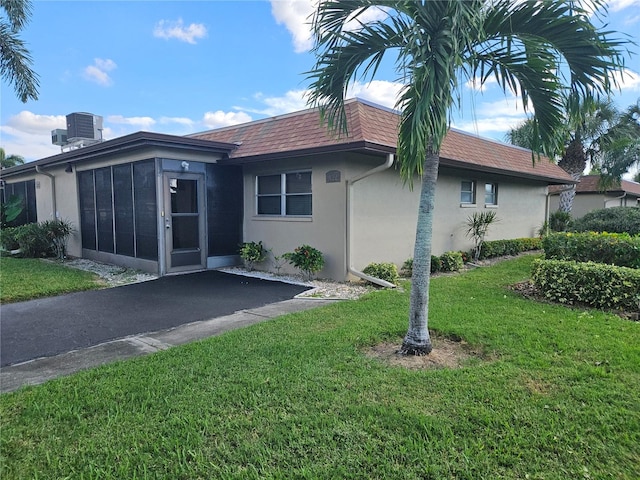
x: 50, y: 326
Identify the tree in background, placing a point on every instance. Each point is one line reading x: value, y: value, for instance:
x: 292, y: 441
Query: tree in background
x: 15, y: 59
x: 8, y: 161
x: 539, y: 50
x: 596, y: 134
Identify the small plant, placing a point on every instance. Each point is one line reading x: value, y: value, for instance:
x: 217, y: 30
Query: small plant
x: 252, y: 253
x: 383, y: 271
x: 407, y: 268
x: 559, y: 221
x: 477, y: 227
x: 451, y: 261
x: 436, y: 264
x: 278, y: 262
x: 58, y: 231
x: 307, y: 259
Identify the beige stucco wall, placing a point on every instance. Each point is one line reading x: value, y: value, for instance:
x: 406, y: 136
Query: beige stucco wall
x: 384, y: 213
x: 584, y: 203
x: 384, y: 225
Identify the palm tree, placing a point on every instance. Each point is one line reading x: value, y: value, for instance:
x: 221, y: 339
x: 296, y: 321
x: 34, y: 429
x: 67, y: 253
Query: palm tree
x: 596, y: 134
x: 15, y: 59
x: 537, y: 49
x: 8, y: 161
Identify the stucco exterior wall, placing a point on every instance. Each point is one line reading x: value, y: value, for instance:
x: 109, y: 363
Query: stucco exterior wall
x: 324, y: 229
x: 584, y: 203
x: 385, y: 223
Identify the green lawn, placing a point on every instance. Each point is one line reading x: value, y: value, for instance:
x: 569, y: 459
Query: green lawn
x: 555, y: 397
x: 29, y: 278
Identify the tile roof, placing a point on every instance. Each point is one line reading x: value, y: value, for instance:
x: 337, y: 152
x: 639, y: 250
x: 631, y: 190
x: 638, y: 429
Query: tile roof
x: 590, y: 184
x: 373, y: 128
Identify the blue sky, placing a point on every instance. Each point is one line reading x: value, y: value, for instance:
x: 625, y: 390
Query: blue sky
x: 187, y: 66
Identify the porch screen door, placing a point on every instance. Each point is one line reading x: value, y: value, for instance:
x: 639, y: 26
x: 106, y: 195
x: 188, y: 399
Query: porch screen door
x: 184, y: 221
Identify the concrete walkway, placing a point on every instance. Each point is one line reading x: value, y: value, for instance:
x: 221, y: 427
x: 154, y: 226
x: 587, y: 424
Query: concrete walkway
x: 40, y: 370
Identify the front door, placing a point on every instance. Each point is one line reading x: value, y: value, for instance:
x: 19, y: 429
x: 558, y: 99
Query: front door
x: 184, y: 221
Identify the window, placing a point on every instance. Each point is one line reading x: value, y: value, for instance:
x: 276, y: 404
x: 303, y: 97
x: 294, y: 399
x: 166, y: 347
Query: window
x: 491, y: 194
x: 286, y: 194
x: 468, y: 192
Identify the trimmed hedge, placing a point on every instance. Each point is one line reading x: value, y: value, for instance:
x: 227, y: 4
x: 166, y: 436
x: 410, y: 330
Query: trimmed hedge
x: 500, y: 248
x: 616, y: 220
x: 594, y: 284
x: 619, y: 249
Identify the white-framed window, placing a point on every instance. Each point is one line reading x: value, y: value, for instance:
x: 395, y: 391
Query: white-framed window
x: 468, y: 192
x: 491, y: 194
x: 284, y: 194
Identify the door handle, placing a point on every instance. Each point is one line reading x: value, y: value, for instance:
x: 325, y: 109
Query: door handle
x: 167, y: 223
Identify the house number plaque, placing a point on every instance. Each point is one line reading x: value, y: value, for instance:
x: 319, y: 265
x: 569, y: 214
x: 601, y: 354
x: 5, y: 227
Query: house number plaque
x: 333, y: 176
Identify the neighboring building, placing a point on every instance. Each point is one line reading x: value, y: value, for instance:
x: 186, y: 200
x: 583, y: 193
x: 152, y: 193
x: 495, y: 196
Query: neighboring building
x: 589, y: 196
x: 169, y: 204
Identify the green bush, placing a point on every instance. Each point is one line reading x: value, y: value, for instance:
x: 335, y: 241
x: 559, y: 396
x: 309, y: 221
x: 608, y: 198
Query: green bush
x: 383, y: 271
x: 619, y: 249
x: 436, y: 264
x: 407, y: 267
x: 594, y: 284
x: 451, y: 261
x: 8, y: 239
x: 33, y: 241
x: 560, y: 221
x: 613, y: 220
x: 252, y: 253
x: 57, y: 231
x: 500, y: 248
x: 307, y: 259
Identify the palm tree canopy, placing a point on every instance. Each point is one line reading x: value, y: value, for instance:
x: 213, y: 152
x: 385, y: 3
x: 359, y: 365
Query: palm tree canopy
x: 543, y: 51
x: 15, y: 59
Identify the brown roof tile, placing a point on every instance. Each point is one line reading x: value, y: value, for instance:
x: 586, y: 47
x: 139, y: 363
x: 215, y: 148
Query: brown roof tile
x: 374, y: 128
x: 590, y: 184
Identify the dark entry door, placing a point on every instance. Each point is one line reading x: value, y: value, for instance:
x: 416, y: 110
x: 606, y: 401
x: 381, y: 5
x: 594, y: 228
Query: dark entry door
x: 184, y: 221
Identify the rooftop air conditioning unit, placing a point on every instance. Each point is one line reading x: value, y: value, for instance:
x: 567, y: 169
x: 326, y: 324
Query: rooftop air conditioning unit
x: 59, y: 137
x: 84, y: 126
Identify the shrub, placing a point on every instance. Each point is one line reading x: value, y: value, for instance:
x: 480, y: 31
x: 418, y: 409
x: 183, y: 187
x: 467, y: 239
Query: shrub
x: 559, y: 221
x: 407, y: 267
x: 477, y: 227
x: 8, y: 239
x: 594, y: 284
x: 307, y: 259
x: 252, y: 253
x: 613, y: 248
x: 616, y: 220
x: 57, y: 231
x: 33, y: 240
x: 383, y: 271
x: 500, y: 248
x: 436, y: 264
x: 451, y: 262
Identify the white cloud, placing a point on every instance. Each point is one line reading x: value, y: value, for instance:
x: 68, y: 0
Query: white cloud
x: 617, y: 5
x: 628, y: 80
x: 296, y: 15
x: 98, y: 72
x: 168, y: 29
x: 219, y: 119
x: 186, y: 122
x: 475, y: 84
x: 29, y: 134
x: 143, y: 123
x: 381, y: 92
x: 292, y: 101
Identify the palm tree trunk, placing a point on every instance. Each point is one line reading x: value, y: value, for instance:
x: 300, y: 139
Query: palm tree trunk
x: 566, y: 197
x: 417, y: 340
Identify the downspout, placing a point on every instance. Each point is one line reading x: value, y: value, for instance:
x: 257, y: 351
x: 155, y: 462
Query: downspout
x: 53, y: 190
x: 615, y: 198
x: 386, y: 165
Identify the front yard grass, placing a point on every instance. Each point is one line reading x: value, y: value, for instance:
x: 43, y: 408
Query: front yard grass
x: 554, y: 395
x: 28, y: 278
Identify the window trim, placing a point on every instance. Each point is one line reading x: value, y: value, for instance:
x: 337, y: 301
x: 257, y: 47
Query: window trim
x: 473, y: 190
x: 493, y: 193
x: 283, y: 194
